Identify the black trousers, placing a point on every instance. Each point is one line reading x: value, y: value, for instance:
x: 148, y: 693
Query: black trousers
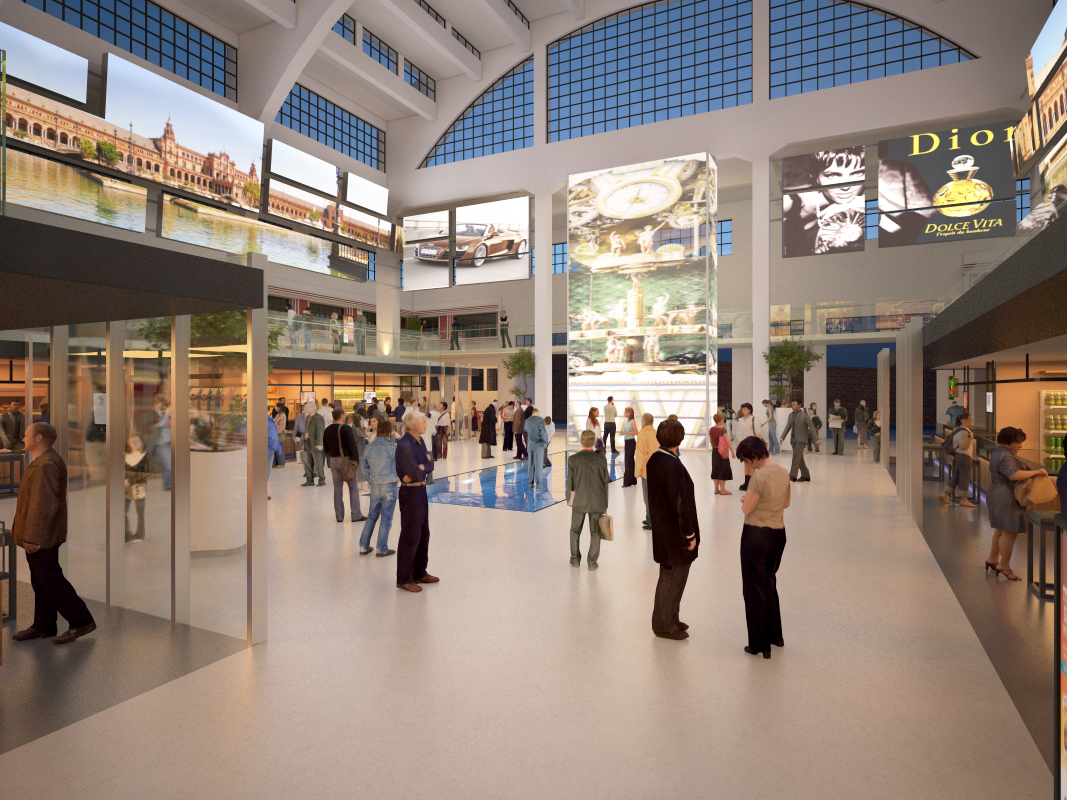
x: 629, y: 448
x: 761, y: 555
x: 669, y: 596
x: 609, y: 432
x: 520, y: 445
x: 509, y: 437
x: 53, y: 593
x: 413, y: 547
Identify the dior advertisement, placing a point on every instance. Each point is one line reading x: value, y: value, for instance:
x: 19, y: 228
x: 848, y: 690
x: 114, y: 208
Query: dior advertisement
x: 641, y: 292
x: 954, y: 184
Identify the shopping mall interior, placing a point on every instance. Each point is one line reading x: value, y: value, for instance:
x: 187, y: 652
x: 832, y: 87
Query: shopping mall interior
x: 835, y: 224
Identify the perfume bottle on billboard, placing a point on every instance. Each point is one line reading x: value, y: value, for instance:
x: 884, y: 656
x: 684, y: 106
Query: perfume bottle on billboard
x: 963, y: 188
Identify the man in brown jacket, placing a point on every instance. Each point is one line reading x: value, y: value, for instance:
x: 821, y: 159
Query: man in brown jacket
x: 40, y: 527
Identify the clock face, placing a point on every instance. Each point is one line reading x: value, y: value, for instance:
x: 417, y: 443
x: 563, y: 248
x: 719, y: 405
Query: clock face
x: 641, y: 197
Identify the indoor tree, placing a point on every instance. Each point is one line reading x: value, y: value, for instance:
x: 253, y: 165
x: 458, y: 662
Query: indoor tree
x: 791, y: 358
x: 520, y: 365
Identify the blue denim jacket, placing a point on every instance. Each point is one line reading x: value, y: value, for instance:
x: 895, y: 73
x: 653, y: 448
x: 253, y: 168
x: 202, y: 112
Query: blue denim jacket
x: 379, y: 461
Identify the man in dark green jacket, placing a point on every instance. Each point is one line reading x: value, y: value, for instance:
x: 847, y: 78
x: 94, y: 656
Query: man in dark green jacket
x: 313, y: 454
x: 800, y: 425
x: 587, y: 493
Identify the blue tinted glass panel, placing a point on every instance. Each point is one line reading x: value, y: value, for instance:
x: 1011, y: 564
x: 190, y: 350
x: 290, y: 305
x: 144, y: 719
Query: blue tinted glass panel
x: 818, y: 44
x: 653, y: 62
x: 498, y: 121
x: 317, y: 118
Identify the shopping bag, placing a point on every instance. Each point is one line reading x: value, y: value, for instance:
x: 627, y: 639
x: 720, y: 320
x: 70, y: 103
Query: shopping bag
x: 607, y: 529
x: 1035, y: 491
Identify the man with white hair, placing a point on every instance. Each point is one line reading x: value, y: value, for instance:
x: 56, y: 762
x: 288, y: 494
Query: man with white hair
x: 413, y: 466
x: 313, y: 453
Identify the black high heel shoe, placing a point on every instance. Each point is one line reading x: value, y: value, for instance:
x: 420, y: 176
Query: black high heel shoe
x: 989, y: 566
x: 751, y: 652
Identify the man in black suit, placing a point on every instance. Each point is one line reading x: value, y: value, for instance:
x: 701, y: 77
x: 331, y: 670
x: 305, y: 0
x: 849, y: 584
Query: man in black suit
x: 413, y: 466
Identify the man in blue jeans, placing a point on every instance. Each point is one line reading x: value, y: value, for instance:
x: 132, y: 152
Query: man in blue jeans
x: 379, y: 468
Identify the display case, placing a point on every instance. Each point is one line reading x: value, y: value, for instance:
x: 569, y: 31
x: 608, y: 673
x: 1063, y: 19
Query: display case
x: 1053, y: 415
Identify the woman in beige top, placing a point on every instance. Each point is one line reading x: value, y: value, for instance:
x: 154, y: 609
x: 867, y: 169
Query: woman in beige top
x: 762, y: 543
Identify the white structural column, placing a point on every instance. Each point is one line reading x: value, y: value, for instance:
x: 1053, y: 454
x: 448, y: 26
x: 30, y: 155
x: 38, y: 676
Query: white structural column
x: 272, y: 56
x: 387, y: 307
x: 815, y: 382
x: 58, y: 392
x: 882, y: 404
x: 180, y: 473
x: 116, y: 466
x: 257, y: 463
x: 914, y: 432
x: 543, y: 301
x: 761, y: 275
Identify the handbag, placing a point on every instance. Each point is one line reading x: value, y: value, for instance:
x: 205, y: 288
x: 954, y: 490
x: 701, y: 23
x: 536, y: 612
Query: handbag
x: 607, y: 528
x: 1035, y: 491
x: 723, y: 447
x: 349, y: 468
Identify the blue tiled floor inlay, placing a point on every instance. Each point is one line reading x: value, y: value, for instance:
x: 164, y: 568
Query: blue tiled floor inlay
x: 508, y: 487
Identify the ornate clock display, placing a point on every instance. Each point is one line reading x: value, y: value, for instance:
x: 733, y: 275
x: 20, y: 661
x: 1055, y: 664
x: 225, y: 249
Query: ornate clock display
x: 639, y: 197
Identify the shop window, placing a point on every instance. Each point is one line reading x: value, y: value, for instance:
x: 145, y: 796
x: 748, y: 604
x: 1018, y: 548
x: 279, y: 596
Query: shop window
x: 498, y: 121
x: 475, y: 326
x: 430, y: 325
x: 156, y: 35
x: 490, y: 380
x: 1022, y: 199
x: 477, y: 380
x: 277, y: 305
x: 322, y: 311
x: 649, y: 63
x: 317, y: 118
x: 819, y: 44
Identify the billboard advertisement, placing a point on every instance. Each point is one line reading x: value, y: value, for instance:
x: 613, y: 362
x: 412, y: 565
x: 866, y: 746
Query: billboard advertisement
x: 492, y: 241
x: 366, y: 194
x: 1047, y: 50
x: 823, y: 204
x: 43, y: 64
x: 178, y: 137
x: 298, y: 166
x: 1046, y: 79
x: 426, y: 251
x: 642, y: 293
x: 948, y: 185
x: 62, y: 189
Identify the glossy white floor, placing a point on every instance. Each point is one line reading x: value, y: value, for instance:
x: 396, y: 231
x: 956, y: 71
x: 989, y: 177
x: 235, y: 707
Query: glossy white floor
x: 518, y: 676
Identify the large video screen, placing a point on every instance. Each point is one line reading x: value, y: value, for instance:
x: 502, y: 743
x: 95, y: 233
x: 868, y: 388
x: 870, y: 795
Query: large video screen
x: 61, y: 189
x: 642, y: 292
x: 493, y: 241
x: 426, y: 253
x: 188, y: 221
x: 43, y: 64
x: 181, y: 138
x: 366, y: 194
x: 1047, y: 50
x: 948, y: 185
x: 301, y: 167
x: 823, y: 204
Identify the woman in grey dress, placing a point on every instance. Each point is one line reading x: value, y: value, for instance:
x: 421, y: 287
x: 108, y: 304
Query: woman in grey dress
x: 1007, y: 517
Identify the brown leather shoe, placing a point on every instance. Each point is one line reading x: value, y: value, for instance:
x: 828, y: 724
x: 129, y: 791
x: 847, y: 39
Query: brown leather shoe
x: 31, y: 633
x: 411, y: 587
x: 74, y: 633
x: 427, y: 579
x: 675, y: 634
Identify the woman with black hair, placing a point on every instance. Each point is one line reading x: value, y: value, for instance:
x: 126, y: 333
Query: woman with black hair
x: 762, y: 544
x: 675, y: 532
x: 1007, y: 517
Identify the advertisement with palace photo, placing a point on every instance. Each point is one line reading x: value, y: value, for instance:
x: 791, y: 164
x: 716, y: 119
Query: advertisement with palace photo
x: 641, y: 291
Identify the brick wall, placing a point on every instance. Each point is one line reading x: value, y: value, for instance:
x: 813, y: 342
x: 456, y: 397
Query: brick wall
x: 852, y: 384
x: 726, y: 380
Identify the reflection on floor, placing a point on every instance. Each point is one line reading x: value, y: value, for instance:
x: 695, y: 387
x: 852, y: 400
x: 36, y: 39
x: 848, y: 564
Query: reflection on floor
x: 1016, y: 628
x: 49, y: 687
x: 508, y: 486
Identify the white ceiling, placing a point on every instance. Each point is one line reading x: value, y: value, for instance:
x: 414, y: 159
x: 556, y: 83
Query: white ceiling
x: 1041, y: 353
